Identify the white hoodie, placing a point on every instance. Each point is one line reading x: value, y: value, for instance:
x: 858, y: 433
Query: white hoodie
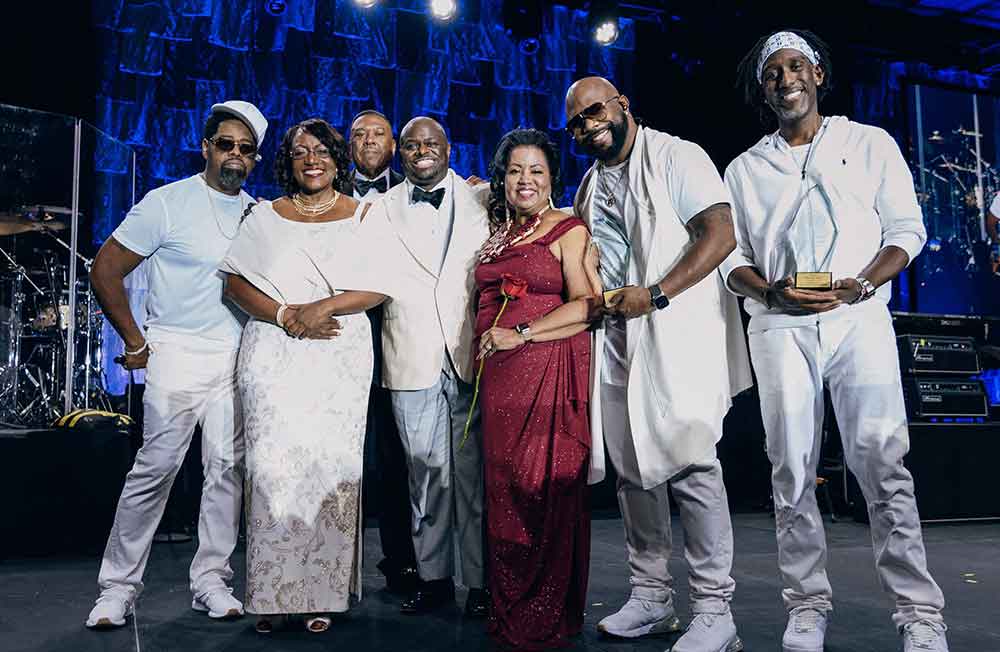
x: 858, y: 178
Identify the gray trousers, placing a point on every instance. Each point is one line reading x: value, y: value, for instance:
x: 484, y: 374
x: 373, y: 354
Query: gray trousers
x: 856, y: 358
x: 446, y: 484
x: 704, y: 509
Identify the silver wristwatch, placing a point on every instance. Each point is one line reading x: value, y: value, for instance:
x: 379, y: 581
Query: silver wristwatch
x: 867, y: 289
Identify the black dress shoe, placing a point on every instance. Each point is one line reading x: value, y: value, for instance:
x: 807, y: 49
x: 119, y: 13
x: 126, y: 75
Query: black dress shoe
x: 477, y: 605
x: 429, y: 596
x: 403, y: 581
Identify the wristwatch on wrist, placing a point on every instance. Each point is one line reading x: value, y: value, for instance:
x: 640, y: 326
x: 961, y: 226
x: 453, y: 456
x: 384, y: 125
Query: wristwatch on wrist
x: 657, y: 298
x: 867, y: 289
x: 524, y: 330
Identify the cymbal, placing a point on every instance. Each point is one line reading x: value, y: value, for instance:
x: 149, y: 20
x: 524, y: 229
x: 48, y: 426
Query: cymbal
x: 935, y: 137
x: 965, y: 132
x: 13, y: 223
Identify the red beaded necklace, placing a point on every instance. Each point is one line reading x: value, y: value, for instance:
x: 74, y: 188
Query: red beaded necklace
x: 507, y: 236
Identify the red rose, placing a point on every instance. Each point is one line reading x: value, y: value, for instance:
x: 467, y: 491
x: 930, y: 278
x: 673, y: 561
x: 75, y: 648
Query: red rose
x: 512, y: 287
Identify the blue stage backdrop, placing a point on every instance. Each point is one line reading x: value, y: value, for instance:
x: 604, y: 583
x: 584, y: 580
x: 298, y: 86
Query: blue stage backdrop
x: 165, y: 62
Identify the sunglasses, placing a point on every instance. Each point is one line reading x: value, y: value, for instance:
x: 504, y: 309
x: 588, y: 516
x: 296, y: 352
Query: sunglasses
x: 596, y: 111
x: 225, y: 144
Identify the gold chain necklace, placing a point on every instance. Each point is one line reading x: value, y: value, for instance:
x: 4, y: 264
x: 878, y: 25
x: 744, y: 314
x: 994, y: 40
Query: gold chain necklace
x: 215, y: 215
x: 312, y: 210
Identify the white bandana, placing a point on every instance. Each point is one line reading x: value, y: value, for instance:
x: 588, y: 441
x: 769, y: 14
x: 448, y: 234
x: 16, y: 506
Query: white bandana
x: 780, y: 41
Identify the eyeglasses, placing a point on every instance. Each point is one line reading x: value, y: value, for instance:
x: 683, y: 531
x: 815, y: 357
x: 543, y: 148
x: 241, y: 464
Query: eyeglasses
x: 596, y: 111
x: 300, y: 153
x: 225, y: 144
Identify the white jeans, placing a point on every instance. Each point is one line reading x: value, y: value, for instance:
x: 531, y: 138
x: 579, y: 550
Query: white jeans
x: 855, y: 356
x: 184, y: 388
x: 704, y: 508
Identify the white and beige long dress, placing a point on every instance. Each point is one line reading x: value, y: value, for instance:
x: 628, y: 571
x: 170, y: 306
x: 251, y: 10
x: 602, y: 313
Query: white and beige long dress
x: 304, y: 403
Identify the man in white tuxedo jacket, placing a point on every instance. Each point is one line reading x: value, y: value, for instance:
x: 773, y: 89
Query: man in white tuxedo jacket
x: 433, y: 226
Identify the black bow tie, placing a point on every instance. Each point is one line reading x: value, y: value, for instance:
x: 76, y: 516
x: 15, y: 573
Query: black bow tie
x: 362, y: 186
x: 433, y: 198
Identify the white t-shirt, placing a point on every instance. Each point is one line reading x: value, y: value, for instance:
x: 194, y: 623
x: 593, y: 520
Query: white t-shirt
x: 184, y: 229
x: 995, y: 205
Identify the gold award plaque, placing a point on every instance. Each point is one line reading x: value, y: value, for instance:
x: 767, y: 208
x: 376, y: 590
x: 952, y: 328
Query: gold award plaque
x: 814, y: 280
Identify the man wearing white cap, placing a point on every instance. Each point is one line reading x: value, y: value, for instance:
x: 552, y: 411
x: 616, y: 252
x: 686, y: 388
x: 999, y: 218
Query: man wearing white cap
x: 183, y: 231
x: 826, y: 216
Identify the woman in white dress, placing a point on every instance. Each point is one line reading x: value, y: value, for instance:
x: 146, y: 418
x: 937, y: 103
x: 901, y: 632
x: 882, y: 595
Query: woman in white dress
x: 299, y: 267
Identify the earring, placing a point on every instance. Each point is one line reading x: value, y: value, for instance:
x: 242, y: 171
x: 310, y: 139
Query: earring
x: 552, y: 204
x: 511, y: 214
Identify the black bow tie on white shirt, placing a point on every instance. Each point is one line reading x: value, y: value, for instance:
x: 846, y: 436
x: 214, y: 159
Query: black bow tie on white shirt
x: 433, y: 198
x: 362, y: 186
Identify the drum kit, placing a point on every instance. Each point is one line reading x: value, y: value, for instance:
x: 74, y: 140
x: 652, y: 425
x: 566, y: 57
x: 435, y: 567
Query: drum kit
x: 955, y: 185
x: 35, y: 332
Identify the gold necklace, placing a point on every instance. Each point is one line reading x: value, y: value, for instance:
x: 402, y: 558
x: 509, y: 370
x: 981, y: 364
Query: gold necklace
x: 215, y: 215
x: 312, y: 210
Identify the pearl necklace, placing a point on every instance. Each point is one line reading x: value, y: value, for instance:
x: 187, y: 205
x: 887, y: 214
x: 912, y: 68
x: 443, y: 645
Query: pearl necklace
x: 507, y: 236
x: 312, y: 210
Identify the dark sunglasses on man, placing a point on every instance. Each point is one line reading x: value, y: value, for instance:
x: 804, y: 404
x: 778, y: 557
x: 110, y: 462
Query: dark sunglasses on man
x: 225, y: 144
x: 596, y: 111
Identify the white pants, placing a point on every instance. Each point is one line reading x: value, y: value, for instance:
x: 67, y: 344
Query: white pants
x: 446, y: 484
x: 183, y: 389
x: 855, y: 356
x: 704, y: 509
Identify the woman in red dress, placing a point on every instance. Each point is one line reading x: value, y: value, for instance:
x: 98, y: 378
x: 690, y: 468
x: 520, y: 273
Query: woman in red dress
x: 536, y: 433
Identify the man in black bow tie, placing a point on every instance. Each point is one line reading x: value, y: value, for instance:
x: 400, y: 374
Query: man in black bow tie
x: 432, y: 227
x: 372, y: 148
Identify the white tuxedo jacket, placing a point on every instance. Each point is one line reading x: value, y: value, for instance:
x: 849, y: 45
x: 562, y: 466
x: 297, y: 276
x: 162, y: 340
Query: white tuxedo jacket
x: 686, y: 361
x: 429, y: 313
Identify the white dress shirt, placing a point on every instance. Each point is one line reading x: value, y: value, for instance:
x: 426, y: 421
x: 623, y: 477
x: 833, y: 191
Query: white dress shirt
x: 428, y: 229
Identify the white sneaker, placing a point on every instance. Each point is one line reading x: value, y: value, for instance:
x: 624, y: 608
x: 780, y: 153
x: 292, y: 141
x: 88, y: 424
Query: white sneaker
x: 709, y: 633
x: 109, y: 611
x: 805, y: 631
x: 925, y: 635
x: 640, y: 617
x: 219, y: 604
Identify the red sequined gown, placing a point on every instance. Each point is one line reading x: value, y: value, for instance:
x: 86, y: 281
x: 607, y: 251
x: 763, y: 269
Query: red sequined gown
x: 536, y: 442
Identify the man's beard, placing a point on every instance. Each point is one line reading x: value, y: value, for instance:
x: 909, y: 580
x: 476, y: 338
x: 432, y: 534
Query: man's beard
x: 231, y: 178
x: 619, y: 132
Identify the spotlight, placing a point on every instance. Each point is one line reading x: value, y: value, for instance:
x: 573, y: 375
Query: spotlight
x: 602, y: 21
x: 443, y: 9
x: 366, y: 4
x: 275, y: 7
x: 522, y: 20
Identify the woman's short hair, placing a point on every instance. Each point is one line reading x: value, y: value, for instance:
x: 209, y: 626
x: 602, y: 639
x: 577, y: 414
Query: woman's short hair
x: 330, y: 138
x: 498, y: 168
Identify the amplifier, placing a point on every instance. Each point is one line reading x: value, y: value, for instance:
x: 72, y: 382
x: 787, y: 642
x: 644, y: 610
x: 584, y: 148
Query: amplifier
x: 937, y: 354
x: 945, y: 397
x: 913, y: 323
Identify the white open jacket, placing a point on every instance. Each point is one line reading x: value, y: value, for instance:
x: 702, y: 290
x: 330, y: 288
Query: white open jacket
x: 686, y: 361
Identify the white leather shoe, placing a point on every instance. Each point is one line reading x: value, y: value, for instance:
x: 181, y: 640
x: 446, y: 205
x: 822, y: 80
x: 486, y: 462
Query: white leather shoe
x: 640, y: 617
x: 925, y: 636
x: 806, y: 630
x: 109, y: 611
x: 709, y: 633
x: 219, y: 604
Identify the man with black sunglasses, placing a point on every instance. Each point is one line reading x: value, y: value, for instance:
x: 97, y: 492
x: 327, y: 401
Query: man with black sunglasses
x: 669, y: 357
x: 182, y: 230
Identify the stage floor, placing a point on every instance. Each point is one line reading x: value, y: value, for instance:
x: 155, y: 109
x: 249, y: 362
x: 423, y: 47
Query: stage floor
x: 43, y: 602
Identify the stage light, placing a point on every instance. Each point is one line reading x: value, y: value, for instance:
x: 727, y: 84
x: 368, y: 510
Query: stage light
x: 366, y: 4
x: 444, y: 9
x: 522, y: 20
x: 275, y: 7
x: 602, y: 21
